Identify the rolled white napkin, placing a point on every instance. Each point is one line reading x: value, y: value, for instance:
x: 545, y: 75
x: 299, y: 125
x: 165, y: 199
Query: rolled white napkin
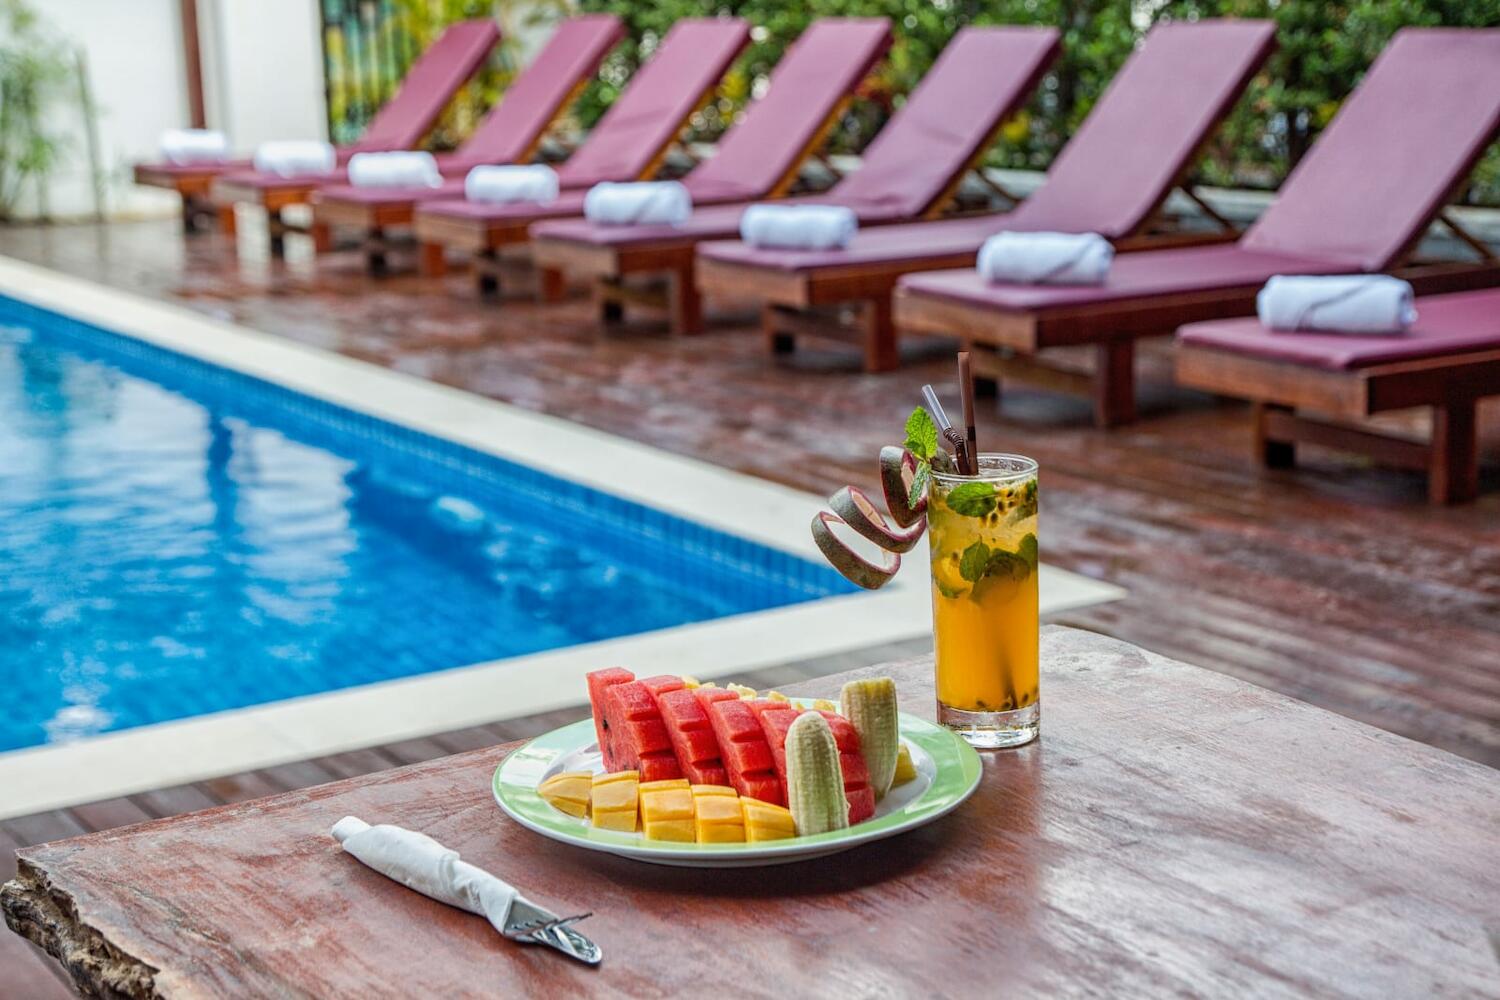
x: 395, y: 169
x: 1346, y: 303
x: 647, y: 203
x: 534, y: 182
x: 194, y: 145
x: 798, y: 227
x: 1046, y: 258
x: 293, y: 157
x: 421, y: 863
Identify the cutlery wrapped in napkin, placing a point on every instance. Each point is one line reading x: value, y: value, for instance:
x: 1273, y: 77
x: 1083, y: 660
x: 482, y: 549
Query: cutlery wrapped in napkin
x: 421, y: 863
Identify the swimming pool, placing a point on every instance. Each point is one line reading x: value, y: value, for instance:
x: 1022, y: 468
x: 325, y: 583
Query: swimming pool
x: 178, y: 539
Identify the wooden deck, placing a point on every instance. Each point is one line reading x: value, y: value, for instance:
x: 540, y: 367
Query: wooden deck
x: 1335, y: 582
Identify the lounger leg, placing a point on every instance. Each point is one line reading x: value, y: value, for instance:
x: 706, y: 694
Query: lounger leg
x: 881, y: 354
x: 684, y: 303
x: 227, y: 220
x: 551, y: 284
x: 432, y: 260
x: 322, y: 237
x: 277, y: 228
x: 487, y: 274
x: 778, y: 341
x: 1114, y: 383
x: 1271, y: 452
x: 607, y: 303
x: 1453, y: 475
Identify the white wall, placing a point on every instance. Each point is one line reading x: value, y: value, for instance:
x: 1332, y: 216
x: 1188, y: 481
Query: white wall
x: 263, y: 69
x: 263, y: 79
x: 133, y: 50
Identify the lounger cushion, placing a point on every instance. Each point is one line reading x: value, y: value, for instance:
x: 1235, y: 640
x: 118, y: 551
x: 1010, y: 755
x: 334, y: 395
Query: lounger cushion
x: 197, y: 169
x: 881, y: 245
x: 568, y: 204
x: 428, y: 86
x: 1143, y: 275
x: 1446, y: 324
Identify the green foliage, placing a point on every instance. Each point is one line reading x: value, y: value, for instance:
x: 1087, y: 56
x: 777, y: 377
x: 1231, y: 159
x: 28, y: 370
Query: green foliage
x: 1323, y: 50
x: 34, y: 68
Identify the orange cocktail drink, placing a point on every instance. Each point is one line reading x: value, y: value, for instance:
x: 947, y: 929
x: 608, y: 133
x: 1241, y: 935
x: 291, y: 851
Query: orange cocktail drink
x: 982, y: 537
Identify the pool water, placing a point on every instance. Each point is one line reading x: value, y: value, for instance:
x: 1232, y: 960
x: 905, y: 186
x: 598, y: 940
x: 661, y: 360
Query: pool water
x: 177, y: 539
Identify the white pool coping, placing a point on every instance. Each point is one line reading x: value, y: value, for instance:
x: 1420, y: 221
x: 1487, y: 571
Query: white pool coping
x: 171, y: 753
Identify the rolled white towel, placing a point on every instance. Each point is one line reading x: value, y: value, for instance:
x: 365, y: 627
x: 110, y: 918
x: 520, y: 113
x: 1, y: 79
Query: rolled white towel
x: 534, y: 182
x: 647, y: 203
x: 194, y: 145
x: 395, y: 169
x: 1346, y: 303
x: 1046, y: 258
x: 798, y: 227
x: 292, y: 157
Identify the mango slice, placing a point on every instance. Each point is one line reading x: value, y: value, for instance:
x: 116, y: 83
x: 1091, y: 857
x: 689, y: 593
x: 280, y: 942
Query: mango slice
x: 667, y: 810
x: 568, y: 792
x: 615, y: 801
x: 764, y: 821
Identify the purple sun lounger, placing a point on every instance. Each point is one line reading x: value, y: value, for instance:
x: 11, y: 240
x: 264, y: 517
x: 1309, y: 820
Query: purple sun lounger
x: 1138, y: 142
x: 509, y: 133
x: 1360, y: 201
x: 910, y: 170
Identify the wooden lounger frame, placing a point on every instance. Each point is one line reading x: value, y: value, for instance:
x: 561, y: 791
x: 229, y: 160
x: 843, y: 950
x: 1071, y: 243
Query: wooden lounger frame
x: 1451, y: 385
x: 194, y: 189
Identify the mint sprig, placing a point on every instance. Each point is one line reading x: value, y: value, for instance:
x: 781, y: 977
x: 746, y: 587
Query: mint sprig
x: 972, y: 499
x: 921, y: 435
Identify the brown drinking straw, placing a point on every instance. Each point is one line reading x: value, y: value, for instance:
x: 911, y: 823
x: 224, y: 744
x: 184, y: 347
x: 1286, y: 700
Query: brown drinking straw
x: 971, y: 436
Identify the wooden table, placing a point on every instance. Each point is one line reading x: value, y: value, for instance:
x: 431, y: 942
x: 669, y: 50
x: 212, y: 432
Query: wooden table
x: 1175, y: 832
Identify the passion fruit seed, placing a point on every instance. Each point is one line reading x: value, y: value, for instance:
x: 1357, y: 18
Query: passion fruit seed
x: 855, y: 509
x: 856, y: 568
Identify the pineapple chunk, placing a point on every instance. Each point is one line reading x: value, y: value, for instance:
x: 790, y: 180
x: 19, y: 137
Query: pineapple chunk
x: 905, y: 769
x: 824, y: 705
x: 568, y: 792
x: 744, y: 692
x: 690, y: 682
x: 615, y: 801
x: 776, y: 696
x: 764, y: 821
x: 667, y: 810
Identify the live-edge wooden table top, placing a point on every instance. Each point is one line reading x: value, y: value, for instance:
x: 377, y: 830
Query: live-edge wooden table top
x: 1174, y: 832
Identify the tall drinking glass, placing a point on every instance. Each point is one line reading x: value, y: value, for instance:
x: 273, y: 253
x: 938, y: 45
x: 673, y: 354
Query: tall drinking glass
x: 981, y: 530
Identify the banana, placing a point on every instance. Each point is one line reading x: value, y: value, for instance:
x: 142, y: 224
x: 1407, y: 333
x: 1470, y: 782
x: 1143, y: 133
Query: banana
x: 814, y: 781
x: 870, y: 706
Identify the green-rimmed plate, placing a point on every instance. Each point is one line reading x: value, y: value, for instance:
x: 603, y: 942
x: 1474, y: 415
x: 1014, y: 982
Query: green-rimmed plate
x: 947, y: 773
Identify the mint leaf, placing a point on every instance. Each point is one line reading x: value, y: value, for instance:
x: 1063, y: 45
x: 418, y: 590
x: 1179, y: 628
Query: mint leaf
x: 1027, y: 551
x: 921, y: 434
x: 973, y: 563
x: 1006, y: 565
x: 972, y: 499
x: 919, y: 483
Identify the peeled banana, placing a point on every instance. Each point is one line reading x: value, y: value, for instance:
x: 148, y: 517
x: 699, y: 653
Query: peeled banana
x: 870, y: 706
x: 814, y: 780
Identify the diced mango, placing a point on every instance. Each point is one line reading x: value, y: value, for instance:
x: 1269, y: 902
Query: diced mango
x: 718, y: 809
x: 721, y: 790
x: 615, y: 801
x: 568, y: 792
x: 664, y: 783
x: 719, y: 833
x: 666, y: 803
x: 776, y: 696
x: 742, y: 691
x: 905, y: 769
x: 824, y: 705
x: 680, y: 830
x: 764, y: 821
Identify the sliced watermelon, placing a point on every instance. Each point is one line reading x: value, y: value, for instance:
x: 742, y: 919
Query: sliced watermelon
x: 637, y: 736
x: 693, y: 738
x: 599, y: 681
x: 743, y: 748
x: 776, y: 717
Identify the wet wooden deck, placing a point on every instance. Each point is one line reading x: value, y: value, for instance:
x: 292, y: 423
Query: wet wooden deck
x: 1334, y: 583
